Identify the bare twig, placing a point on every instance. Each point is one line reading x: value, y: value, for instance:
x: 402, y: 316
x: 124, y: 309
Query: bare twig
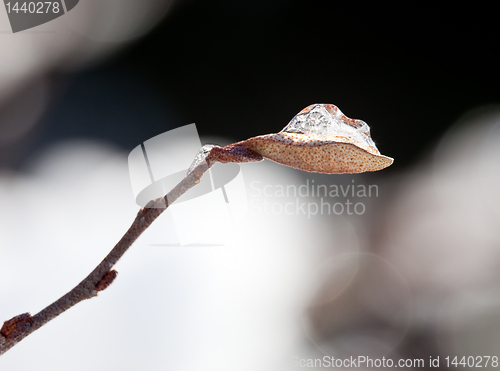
x: 17, y: 328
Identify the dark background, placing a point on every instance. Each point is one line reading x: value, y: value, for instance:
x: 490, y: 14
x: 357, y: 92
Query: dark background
x: 240, y: 69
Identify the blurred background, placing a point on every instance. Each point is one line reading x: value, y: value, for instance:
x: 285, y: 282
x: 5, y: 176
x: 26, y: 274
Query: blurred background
x: 413, y: 277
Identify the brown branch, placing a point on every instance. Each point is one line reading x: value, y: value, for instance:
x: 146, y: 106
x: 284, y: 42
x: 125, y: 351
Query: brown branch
x: 17, y: 328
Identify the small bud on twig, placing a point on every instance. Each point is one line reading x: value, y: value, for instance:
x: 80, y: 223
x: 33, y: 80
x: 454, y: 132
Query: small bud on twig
x: 107, y: 280
x: 16, y: 326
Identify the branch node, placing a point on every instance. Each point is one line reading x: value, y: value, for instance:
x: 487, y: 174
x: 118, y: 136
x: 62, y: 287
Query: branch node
x: 16, y: 326
x: 107, y: 280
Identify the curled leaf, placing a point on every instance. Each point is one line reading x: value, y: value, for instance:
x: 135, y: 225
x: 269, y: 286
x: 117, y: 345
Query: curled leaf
x: 320, y: 139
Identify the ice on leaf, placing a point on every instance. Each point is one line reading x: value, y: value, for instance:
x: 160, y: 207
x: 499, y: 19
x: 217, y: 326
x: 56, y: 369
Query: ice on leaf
x: 328, y: 121
x: 321, y: 139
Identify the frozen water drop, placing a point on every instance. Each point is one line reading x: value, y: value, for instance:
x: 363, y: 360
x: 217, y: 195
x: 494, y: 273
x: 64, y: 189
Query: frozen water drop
x: 326, y: 121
